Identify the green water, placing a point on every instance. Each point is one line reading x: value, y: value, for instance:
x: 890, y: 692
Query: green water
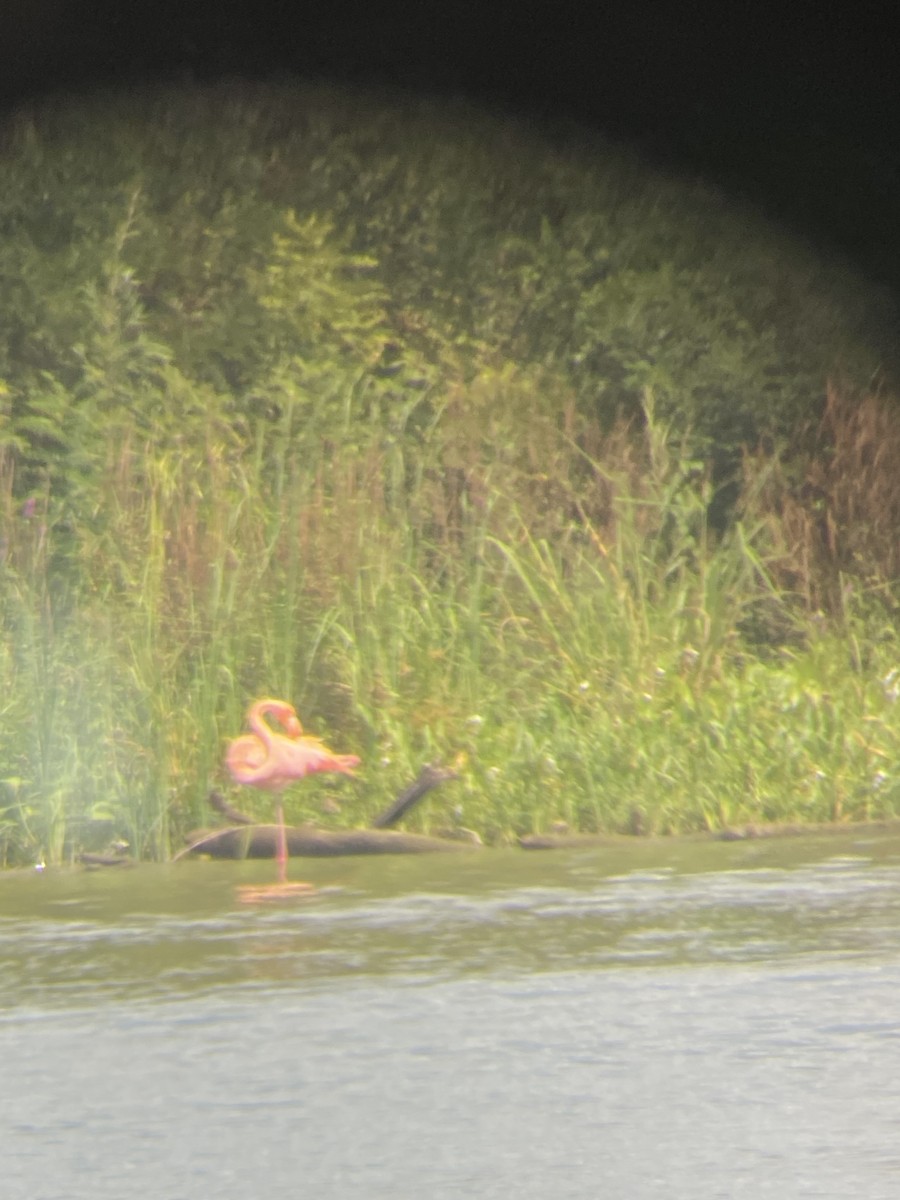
x: 650, y: 1019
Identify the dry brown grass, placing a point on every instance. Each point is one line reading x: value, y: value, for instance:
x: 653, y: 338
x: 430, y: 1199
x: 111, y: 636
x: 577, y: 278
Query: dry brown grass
x: 833, y: 518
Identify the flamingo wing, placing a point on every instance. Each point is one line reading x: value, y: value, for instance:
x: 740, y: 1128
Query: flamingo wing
x: 309, y: 755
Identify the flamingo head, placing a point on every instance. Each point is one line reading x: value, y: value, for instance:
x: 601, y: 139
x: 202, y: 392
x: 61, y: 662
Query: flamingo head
x: 291, y: 725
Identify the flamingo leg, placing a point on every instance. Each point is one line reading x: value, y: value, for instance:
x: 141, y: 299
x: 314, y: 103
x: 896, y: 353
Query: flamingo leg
x: 282, y: 844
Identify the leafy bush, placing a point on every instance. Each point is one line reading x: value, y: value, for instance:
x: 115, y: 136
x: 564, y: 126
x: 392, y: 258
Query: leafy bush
x: 420, y: 423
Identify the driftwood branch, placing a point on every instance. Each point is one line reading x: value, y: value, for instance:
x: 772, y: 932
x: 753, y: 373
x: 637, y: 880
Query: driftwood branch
x: 251, y: 840
x: 221, y: 805
x: 428, y: 778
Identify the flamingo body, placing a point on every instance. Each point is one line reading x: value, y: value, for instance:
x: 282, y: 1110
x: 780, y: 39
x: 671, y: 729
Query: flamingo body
x: 271, y: 760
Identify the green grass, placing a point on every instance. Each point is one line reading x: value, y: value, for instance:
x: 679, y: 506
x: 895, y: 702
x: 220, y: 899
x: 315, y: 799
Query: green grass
x: 599, y: 676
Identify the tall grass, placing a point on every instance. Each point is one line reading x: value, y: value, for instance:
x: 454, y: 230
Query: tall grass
x: 554, y: 617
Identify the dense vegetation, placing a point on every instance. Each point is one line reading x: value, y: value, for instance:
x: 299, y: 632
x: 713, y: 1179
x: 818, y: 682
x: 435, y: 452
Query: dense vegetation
x: 517, y: 457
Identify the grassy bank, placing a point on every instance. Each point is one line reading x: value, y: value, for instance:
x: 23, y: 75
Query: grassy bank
x: 604, y: 660
x: 460, y: 491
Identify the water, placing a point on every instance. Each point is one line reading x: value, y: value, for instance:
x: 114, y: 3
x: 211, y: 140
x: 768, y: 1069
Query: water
x: 649, y: 1020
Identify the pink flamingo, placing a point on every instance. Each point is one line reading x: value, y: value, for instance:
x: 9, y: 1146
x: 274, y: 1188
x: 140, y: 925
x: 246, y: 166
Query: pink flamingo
x: 272, y: 761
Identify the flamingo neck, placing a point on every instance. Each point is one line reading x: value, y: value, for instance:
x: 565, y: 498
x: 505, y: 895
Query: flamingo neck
x: 256, y: 721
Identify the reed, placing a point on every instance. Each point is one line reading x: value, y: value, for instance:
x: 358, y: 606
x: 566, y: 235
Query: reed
x: 596, y: 668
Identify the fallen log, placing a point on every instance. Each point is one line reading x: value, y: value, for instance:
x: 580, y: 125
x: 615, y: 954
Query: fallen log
x: 562, y: 841
x: 261, y: 841
x: 744, y: 833
x: 244, y: 838
x: 115, y: 855
x: 94, y: 862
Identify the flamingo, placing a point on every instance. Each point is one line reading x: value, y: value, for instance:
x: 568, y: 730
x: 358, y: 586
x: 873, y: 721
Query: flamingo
x: 273, y: 760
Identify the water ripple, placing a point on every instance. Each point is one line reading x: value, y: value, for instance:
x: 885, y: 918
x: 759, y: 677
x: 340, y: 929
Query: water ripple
x: 85, y: 944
